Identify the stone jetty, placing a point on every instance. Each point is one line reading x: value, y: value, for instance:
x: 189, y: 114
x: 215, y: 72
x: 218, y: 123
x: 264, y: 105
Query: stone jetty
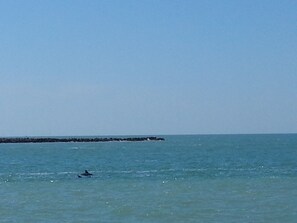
x: 75, y: 139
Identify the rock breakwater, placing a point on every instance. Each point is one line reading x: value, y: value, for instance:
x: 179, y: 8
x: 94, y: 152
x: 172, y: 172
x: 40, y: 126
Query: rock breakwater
x: 76, y: 139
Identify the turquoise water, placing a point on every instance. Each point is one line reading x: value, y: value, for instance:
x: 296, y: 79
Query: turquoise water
x: 199, y: 178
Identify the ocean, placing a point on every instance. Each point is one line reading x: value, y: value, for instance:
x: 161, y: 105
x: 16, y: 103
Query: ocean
x: 189, y: 178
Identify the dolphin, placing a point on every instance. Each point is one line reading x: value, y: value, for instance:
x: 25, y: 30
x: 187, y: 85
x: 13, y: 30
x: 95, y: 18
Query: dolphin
x: 85, y: 174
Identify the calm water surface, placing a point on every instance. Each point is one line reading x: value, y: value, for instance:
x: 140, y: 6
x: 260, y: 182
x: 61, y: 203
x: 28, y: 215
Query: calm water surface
x: 208, y: 178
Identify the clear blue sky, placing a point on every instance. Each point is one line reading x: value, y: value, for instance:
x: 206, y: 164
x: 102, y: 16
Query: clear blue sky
x: 147, y: 67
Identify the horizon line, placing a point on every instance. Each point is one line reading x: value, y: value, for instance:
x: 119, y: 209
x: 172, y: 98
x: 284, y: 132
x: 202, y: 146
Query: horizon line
x: 172, y: 134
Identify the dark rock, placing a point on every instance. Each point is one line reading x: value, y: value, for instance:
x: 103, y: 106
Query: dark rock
x: 76, y: 139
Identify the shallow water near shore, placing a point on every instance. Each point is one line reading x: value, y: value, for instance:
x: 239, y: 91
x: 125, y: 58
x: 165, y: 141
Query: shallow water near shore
x: 198, y: 178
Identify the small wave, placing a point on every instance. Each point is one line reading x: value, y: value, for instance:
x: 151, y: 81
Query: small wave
x: 66, y: 172
x: 75, y: 148
x: 194, y: 170
x: 35, y: 174
x: 125, y: 171
x: 151, y: 161
x: 146, y: 171
x: 168, y: 170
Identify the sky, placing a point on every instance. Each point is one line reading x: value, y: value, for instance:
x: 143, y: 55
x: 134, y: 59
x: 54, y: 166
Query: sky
x: 114, y: 67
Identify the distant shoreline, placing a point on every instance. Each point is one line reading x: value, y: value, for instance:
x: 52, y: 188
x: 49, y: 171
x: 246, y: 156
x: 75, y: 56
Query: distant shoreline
x: 76, y: 139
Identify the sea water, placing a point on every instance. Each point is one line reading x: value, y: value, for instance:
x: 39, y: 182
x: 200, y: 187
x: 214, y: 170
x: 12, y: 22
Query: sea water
x: 197, y: 178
